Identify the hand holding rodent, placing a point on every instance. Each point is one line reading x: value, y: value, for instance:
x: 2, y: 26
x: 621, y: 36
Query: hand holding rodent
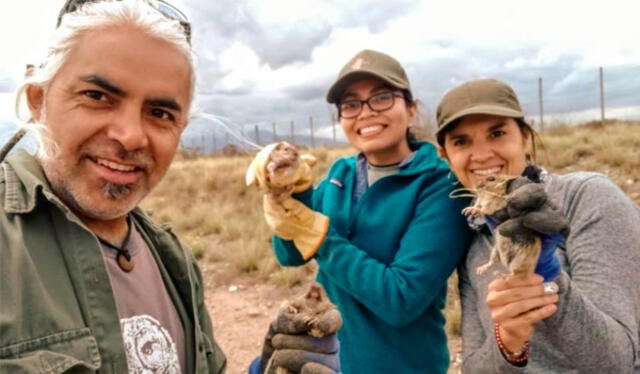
x: 517, y: 303
x: 280, y: 170
x: 530, y: 210
x: 302, y: 339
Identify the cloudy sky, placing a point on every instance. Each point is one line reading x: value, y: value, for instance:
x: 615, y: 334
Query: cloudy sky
x: 264, y: 61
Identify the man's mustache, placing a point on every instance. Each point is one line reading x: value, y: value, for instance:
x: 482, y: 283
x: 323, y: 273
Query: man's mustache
x: 140, y: 158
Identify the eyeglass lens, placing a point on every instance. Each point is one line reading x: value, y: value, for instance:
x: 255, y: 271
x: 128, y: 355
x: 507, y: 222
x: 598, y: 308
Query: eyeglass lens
x: 378, y: 103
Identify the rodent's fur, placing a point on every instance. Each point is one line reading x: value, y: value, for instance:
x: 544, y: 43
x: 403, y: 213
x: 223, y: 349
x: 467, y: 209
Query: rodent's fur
x: 519, y: 254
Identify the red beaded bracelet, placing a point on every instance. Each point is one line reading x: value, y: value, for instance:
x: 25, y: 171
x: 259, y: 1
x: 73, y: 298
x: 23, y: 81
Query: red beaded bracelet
x: 514, y: 358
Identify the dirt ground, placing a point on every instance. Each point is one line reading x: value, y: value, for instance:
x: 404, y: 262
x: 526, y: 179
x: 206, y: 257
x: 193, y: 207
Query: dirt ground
x: 241, y: 312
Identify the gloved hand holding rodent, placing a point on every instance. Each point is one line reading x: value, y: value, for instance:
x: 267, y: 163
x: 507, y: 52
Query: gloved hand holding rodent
x: 279, y: 170
x: 530, y: 210
x: 302, y: 338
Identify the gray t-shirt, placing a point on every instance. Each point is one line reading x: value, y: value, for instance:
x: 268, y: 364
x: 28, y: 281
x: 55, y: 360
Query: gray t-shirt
x: 374, y: 173
x: 152, y: 332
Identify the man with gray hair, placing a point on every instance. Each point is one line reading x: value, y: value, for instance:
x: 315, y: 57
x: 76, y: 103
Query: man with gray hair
x: 88, y: 282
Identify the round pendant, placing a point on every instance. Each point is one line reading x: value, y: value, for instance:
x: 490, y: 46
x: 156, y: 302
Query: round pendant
x: 125, y: 265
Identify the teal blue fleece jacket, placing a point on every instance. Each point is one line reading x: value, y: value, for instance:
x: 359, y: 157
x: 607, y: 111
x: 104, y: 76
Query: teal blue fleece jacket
x: 386, y: 260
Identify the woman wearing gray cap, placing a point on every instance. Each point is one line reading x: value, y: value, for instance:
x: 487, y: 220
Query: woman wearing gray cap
x: 394, y: 236
x: 579, y: 313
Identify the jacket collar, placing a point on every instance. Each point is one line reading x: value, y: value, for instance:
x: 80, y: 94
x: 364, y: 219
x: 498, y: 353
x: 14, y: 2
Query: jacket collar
x: 23, y: 176
x: 424, y: 157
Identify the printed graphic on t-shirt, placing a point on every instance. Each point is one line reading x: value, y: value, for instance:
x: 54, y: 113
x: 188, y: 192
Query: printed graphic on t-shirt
x: 149, y: 347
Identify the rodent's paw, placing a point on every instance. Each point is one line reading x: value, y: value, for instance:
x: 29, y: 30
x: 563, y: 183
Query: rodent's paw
x: 312, y: 321
x: 471, y: 211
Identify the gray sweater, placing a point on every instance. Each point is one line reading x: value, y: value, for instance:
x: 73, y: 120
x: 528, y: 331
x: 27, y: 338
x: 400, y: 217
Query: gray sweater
x: 595, y: 329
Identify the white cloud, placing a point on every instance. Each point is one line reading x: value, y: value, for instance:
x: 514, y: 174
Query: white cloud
x: 7, y: 105
x: 261, y: 59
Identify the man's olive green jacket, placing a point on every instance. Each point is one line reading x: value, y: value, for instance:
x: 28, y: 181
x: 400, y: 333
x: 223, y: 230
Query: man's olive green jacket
x: 57, y: 310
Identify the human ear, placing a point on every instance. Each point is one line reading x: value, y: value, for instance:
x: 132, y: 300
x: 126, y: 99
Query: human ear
x: 443, y: 153
x: 528, y: 140
x: 412, y: 108
x: 35, y: 101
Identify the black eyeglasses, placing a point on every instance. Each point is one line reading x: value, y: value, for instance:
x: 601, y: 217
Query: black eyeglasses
x: 168, y: 10
x: 378, y: 103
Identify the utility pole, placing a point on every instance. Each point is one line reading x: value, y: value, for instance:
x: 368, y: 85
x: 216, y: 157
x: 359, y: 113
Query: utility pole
x: 541, y: 104
x: 313, y: 143
x: 601, y: 96
x: 333, y: 126
x: 257, y: 135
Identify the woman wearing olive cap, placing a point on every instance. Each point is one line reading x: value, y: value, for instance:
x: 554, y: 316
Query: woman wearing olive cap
x: 394, y: 235
x: 579, y: 313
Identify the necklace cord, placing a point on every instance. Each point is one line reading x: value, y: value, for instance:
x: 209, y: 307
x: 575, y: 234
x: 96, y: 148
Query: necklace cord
x: 122, y: 250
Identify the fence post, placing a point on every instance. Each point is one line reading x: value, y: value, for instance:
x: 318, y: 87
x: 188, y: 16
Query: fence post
x: 541, y: 104
x: 601, y: 96
x: 275, y: 138
x: 293, y: 135
x: 257, y: 135
x: 333, y: 126
x: 313, y: 143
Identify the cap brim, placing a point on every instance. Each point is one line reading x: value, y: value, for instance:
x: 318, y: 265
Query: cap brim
x: 482, y: 109
x: 338, y: 88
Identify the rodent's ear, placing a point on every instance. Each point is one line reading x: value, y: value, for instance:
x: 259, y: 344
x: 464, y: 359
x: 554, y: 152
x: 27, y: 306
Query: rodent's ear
x: 250, y: 177
x: 308, y: 159
x: 255, y: 170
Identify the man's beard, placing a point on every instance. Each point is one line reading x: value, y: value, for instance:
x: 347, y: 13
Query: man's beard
x: 116, y: 191
x: 69, y: 185
x: 119, y: 196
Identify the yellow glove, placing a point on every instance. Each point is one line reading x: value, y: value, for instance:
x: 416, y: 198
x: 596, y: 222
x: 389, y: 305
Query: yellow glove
x: 292, y: 220
x: 278, y: 165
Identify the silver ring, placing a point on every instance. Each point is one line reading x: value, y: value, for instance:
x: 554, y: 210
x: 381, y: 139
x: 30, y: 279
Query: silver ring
x: 550, y: 288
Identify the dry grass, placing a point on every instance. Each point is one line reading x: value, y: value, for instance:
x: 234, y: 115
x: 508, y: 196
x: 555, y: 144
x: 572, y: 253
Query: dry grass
x: 208, y: 205
x: 220, y: 219
x: 612, y: 149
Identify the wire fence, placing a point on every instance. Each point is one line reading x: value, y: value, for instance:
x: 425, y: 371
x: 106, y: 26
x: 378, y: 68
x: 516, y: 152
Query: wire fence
x: 311, y: 133
x: 550, y: 99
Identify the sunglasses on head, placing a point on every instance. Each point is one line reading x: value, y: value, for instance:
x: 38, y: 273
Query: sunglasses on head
x: 173, y: 13
x: 167, y: 9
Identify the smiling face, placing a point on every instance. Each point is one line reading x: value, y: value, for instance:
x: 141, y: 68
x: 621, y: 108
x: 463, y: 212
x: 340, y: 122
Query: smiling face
x: 115, y: 111
x: 483, y: 145
x: 381, y: 136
